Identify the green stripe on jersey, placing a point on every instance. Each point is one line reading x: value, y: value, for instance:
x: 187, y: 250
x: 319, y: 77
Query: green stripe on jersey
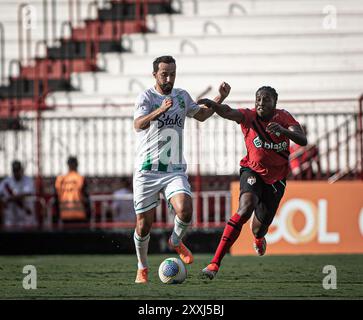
x: 147, y: 163
x: 162, y: 166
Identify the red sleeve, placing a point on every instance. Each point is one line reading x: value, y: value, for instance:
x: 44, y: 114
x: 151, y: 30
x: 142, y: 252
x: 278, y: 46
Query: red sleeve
x: 289, y: 119
x: 247, y: 115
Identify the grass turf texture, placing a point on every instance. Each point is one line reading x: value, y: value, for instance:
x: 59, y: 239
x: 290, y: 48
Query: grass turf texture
x: 248, y: 277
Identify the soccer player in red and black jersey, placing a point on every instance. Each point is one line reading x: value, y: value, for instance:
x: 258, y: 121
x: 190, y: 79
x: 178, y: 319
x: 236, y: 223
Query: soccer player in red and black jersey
x: 263, y: 171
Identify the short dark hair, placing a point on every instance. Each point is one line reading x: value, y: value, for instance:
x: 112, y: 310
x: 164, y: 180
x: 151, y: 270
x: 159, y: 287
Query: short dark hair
x: 16, y: 165
x: 164, y: 59
x: 72, y: 161
x: 269, y: 90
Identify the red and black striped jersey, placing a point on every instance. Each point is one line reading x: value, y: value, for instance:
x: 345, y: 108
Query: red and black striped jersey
x: 267, y: 153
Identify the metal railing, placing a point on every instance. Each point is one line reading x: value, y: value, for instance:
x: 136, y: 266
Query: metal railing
x: 105, y: 144
x: 334, y: 128
x: 38, y: 209
x: 216, y: 210
x: 325, y: 153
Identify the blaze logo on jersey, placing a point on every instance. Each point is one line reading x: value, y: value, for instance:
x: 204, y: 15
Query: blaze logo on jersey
x: 281, y: 146
x: 251, y: 180
x: 257, y: 142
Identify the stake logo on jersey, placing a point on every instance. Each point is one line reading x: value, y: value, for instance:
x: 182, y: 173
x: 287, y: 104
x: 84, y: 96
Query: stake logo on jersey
x: 160, y: 147
x: 166, y: 120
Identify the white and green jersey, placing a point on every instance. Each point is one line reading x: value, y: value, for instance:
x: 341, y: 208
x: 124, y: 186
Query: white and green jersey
x: 160, y: 147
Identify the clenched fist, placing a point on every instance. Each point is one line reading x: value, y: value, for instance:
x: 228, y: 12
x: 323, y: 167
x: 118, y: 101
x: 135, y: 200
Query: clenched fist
x: 224, y: 89
x: 166, y: 104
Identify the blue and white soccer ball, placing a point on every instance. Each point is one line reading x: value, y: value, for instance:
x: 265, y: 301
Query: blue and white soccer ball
x: 172, y: 271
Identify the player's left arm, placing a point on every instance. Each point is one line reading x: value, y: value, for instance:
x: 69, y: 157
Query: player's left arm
x: 204, y: 112
x: 294, y: 132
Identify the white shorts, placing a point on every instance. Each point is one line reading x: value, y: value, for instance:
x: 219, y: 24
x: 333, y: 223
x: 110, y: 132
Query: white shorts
x: 149, y: 184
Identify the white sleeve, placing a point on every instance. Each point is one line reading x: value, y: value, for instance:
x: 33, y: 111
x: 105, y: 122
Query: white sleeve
x: 142, y: 106
x: 191, y: 105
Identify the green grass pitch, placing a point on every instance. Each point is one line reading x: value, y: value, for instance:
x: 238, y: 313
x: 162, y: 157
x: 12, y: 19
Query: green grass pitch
x: 247, y: 277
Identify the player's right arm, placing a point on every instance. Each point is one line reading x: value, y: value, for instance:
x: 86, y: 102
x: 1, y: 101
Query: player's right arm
x: 143, y: 122
x: 224, y: 110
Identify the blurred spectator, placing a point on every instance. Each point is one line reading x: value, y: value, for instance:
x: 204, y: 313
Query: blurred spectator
x: 16, y: 194
x: 122, y: 206
x: 303, y: 159
x: 71, y: 195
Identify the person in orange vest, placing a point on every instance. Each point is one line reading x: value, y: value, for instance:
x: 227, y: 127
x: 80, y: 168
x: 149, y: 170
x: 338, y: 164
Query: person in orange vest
x: 71, y: 197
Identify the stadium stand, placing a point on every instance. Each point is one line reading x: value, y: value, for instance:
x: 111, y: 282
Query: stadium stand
x: 244, y: 42
x: 82, y: 63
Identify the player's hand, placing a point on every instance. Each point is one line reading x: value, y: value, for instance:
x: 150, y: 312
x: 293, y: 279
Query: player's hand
x: 166, y: 104
x: 224, y: 89
x: 207, y: 102
x: 274, y: 127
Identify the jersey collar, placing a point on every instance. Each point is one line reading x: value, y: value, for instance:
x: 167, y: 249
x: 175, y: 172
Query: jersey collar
x: 172, y: 93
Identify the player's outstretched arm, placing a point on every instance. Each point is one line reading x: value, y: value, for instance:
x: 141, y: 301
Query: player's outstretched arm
x: 223, y: 110
x: 204, y: 113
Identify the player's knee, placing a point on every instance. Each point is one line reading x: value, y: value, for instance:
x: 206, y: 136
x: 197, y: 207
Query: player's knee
x: 245, y: 216
x: 247, y: 206
x: 184, y: 211
x: 185, y: 214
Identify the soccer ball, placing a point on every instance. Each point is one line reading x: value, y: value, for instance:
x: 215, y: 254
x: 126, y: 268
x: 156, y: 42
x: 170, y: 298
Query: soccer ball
x: 172, y: 271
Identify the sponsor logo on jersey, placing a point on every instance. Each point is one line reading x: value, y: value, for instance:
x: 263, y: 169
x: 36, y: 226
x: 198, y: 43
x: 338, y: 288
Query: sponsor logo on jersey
x: 257, y: 142
x: 251, y: 180
x: 181, y: 102
x: 281, y: 146
x: 166, y: 120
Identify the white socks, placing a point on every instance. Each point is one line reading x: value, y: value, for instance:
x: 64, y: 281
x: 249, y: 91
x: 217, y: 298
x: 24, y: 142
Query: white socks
x: 141, y: 246
x: 142, y: 243
x: 180, y: 228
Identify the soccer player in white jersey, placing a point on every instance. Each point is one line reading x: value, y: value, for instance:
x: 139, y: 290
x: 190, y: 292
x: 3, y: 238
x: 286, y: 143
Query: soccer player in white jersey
x: 160, y: 166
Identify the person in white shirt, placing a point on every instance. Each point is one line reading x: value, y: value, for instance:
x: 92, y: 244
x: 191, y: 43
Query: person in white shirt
x: 122, y: 205
x: 16, y: 194
x: 160, y: 166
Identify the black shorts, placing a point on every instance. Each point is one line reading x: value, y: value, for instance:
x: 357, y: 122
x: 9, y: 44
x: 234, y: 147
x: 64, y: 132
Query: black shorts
x: 269, y: 195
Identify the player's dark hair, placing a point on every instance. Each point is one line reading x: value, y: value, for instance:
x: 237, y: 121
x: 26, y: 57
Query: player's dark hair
x: 269, y: 90
x: 72, y: 161
x: 162, y: 59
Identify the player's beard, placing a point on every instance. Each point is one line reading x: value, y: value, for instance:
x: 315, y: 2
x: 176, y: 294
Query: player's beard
x: 166, y: 87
